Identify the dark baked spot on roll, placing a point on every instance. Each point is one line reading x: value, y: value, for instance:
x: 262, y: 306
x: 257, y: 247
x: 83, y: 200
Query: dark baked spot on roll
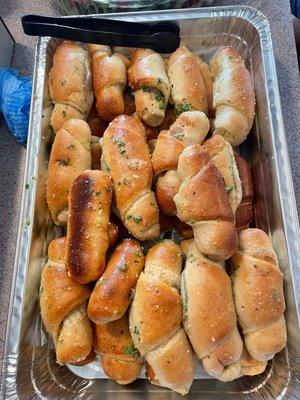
x: 81, y: 194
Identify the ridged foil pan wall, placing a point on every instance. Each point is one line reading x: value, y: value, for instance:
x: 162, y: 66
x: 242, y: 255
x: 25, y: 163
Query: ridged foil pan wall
x: 29, y: 370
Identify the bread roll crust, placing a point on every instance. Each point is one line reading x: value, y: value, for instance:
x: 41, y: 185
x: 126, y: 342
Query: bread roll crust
x: 70, y: 84
x: 189, y: 128
x: 126, y: 156
x: 203, y: 203
x: 70, y: 155
x: 173, y: 368
x: 63, y: 307
x: 222, y: 155
x: 87, y: 232
x: 147, y: 77
x: 187, y: 84
x: 111, y: 295
x: 209, y: 313
x: 155, y: 319
x: 119, y: 358
x: 109, y: 81
x: 259, y: 299
x: 233, y: 96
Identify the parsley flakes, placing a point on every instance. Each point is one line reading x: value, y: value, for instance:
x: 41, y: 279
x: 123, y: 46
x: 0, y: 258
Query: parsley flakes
x: 180, y: 108
x: 131, y: 351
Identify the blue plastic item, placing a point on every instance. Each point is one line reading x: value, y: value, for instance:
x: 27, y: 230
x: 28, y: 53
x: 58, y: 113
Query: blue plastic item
x: 15, y: 97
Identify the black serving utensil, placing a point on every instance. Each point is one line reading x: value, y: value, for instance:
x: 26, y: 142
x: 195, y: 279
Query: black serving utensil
x: 162, y: 37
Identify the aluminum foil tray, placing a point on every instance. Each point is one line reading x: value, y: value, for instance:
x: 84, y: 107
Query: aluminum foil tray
x: 29, y: 370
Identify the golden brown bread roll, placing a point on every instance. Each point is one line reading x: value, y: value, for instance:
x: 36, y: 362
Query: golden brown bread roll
x: 147, y: 77
x: 155, y: 319
x: 233, y: 96
x: 112, y: 294
x: 188, y: 91
x: 209, y: 315
x: 120, y: 360
x: 189, y: 128
x: 203, y: 203
x: 244, y: 212
x: 87, y: 231
x: 63, y: 308
x: 126, y: 157
x: 109, y: 81
x: 258, y: 292
x: 70, y: 84
x: 70, y: 155
x: 222, y: 155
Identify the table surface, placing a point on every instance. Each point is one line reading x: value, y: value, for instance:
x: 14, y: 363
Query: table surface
x: 12, y: 159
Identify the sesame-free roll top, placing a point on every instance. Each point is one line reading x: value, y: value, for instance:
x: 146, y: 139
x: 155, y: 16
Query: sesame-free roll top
x: 63, y: 305
x: 109, y: 81
x: 233, y: 96
x: 155, y: 319
x: 258, y: 293
x: 202, y: 202
x: 147, y: 77
x: 125, y: 155
x: 70, y: 84
x: 70, y: 155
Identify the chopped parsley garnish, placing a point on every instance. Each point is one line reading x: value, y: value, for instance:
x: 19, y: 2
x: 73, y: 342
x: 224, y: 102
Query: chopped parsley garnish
x: 71, y: 146
x: 229, y: 189
x: 184, y: 306
x: 123, y: 267
x: 105, y: 167
x: 178, y: 135
x: 137, y: 218
x: 192, y: 221
x: 275, y: 294
x: 121, y: 145
x: 136, y: 330
x: 64, y: 114
x: 159, y: 81
x: 131, y: 351
x: 146, y: 89
x: 162, y: 105
x: 159, y: 96
x: 27, y: 186
x: 179, y: 109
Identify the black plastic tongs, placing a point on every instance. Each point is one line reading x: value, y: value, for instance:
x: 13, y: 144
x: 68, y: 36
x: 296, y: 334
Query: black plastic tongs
x: 162, y: 37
